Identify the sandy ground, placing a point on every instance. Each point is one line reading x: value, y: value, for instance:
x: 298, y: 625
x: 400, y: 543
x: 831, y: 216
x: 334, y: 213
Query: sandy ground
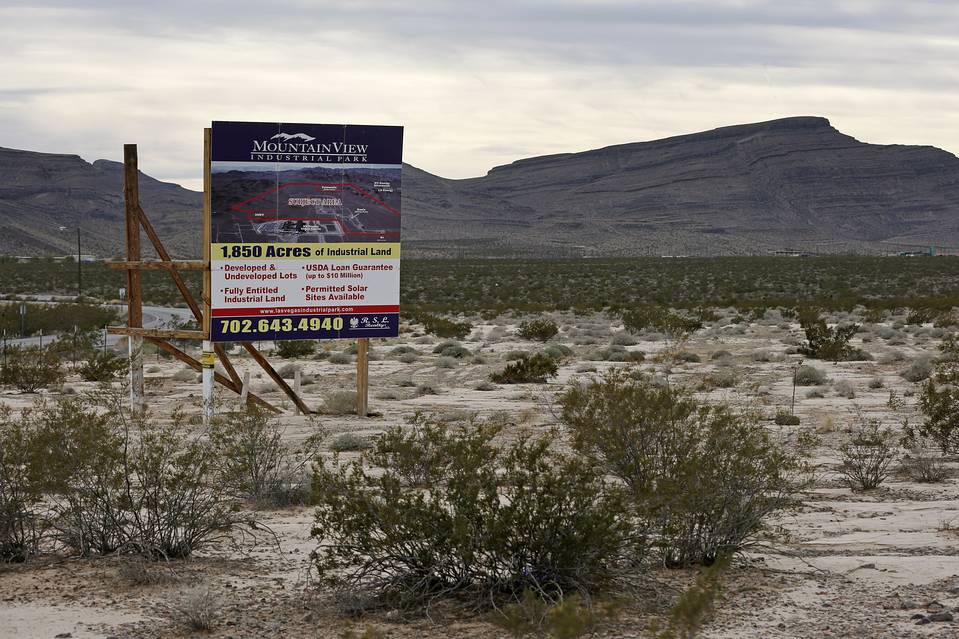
x: 853, y: 564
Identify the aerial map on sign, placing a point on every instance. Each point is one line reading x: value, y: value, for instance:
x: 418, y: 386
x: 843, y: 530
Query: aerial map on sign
x: 264, y: 202
x: 304, y: 230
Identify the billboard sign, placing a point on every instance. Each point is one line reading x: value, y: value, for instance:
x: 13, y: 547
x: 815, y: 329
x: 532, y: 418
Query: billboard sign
x: 305, y: 231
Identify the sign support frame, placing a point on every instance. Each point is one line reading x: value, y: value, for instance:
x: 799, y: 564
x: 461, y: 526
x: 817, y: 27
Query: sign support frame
x: 136, y: 218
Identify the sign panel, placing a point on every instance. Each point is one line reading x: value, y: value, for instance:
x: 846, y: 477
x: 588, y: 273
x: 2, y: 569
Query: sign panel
x: 305, y: 231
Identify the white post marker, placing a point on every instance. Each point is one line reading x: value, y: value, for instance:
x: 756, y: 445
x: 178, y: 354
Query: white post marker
x: 135, y: 351
x: 296, y: 387
x: 245, y: 391
x: 208, y: 359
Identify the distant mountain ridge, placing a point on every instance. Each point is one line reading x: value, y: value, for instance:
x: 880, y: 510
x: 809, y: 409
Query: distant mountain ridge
x: 41, y: 192
x: 794, y: 183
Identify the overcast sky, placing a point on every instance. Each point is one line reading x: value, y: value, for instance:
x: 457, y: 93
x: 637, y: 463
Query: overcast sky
x: 476, y: 84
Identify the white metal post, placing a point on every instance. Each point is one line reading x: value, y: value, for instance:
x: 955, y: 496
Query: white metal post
x: 208, y: 359
x: 135, y: 351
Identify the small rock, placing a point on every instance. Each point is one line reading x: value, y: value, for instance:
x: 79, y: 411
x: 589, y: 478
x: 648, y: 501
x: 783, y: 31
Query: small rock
x: 918, y: 615
x: 781, y: 625
x: 934, y: 606
x: 945, y: 615
x: 923, y: 621
x: 63, y: 635
x: 908, y: 604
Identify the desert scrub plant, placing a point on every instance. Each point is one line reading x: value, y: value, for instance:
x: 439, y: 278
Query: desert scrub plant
x: 442, y: 327
x: 920, y: 368
x: 22, y: 516
x: 823, y: 342
x: 496, y: 521
x: 532, y: 369
x: 673, y: 325
x: 257, y: 463
x: 920, y: 462
x: 786, y: 418
x: 704, y: 479
x: 450, y: 348
x: 938, y: 399
x: 128, y: 482
x: 339, y: 403
x: 867, y: 456
x: 809, y: 376
x: 31, y: 368
x: 102, y: 366
x: 291, y: 349
x: 350, y: 443
x: 567, y: 618
x: 198, y: 609
x: 539, y: 330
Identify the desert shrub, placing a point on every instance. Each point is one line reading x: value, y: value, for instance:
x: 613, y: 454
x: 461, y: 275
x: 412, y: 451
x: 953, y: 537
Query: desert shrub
x: 141, y: 571
x: 660, y: 319
x: 534, y: 369
x: 451, y: 349
x: 845, y: 388
x: 350, y: 443
x: 484, y: 386
x: 539, y: 330
x: 558, y: 351
x: 31, y: 368
x: 407, y: 358
x: 21, y: 496
x: 688, y: 357
x: 339, y: 403
x: 939, y: 399
x: 919, y: 316
x: 623, y: 339
x: 340, y: 358
x: 198, y: 609
x: 810, y: 376
x: 876, y: 383
x: 724, y: 378
x: 510, y: 356
x: 920, y: 463
x: 185, y: 374
x: 704, y: 479
x: 823, y: 342
x: 427, y: 389
x: 446, y: 362
x: 103, y: 367
x: 255, y: 460
x: 497, y: 520
x: 868, y: 455
x: 785, y: 418
x: 720, y: 354
x: 569, y: 617
x: 442, y: 327
x: 291, y: 349
x: 401, y: 350
x: 287, y: 371
x: 128, y: 482
x: 918, y: 370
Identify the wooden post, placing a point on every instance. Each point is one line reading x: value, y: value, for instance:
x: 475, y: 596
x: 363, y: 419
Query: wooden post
x: 208, y: 358
x: 362, y: 376
x: 131, y: 195
x: 207, y: 223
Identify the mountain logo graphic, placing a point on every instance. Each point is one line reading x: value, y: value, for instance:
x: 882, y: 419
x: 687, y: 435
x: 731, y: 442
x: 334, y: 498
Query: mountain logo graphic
x: 286, y: 137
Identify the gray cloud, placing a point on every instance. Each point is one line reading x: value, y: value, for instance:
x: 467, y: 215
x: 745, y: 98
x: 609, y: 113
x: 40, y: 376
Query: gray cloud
x: 475, y: 83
